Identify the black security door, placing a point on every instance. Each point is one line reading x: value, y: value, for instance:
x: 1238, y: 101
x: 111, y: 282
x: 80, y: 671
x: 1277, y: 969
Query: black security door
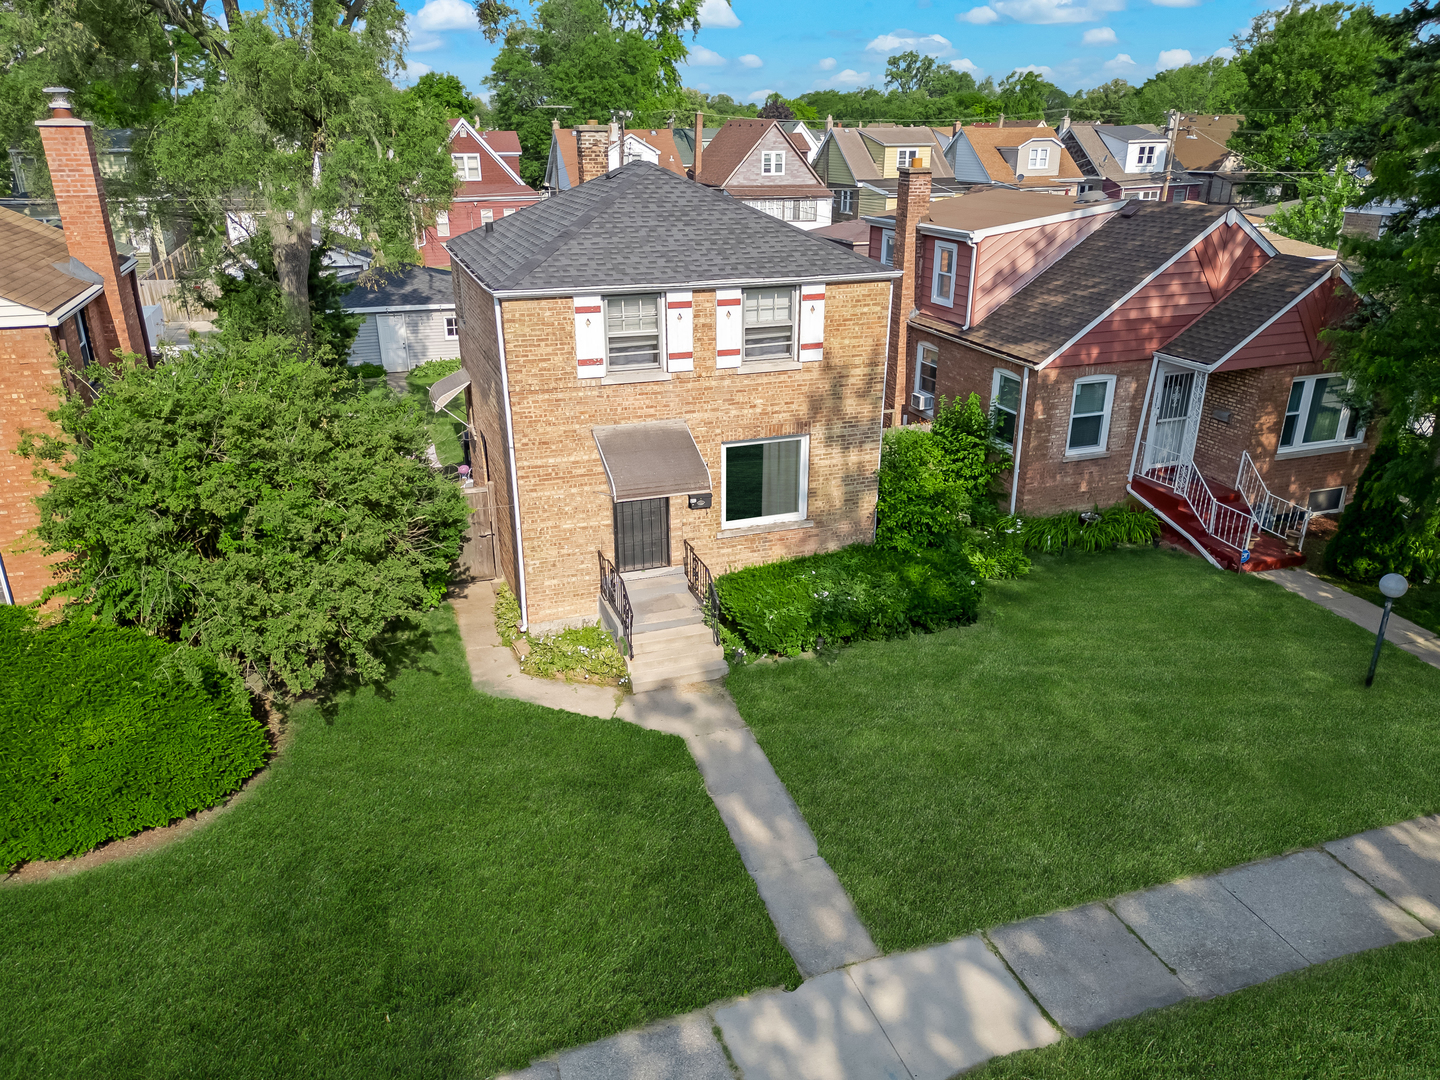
x: 642, y: 534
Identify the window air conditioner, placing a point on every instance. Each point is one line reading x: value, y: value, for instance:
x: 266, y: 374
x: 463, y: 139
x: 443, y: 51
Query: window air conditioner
x: 922, y: 402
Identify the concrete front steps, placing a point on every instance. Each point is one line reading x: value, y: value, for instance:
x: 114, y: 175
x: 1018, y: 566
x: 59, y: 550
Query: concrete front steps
x: 673, y: 646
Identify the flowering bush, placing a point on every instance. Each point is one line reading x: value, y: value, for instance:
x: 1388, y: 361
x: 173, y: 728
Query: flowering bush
x: 585, y: 653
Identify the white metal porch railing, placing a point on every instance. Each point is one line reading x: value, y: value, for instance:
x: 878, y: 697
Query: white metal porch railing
x: 1170, y: 469
x: 1275, y: 515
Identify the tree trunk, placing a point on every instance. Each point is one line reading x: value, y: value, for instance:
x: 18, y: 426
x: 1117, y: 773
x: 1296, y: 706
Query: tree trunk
x: 291, y: 237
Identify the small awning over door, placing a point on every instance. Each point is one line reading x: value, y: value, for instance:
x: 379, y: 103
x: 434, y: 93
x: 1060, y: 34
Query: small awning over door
x: 448, y: 387
x: 651, y: 461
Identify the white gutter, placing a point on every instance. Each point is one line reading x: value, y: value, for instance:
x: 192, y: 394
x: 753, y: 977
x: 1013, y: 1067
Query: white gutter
x: 400, y: 307
x: 970, y: 292
x: 1144, y: 412
x: 1019, y: 438
x: 514, y: 475
x: 662, y: 286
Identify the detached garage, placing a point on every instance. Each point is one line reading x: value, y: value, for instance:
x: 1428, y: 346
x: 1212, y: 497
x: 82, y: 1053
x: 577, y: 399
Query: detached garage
x: 409, y: 318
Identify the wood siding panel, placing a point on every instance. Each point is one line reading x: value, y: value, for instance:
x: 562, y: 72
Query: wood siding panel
x: 797, y: 171
x: 1149, y: 319
x: 1009, y: 262
x: 956, y: 313
x: 1294, y: 337
x: 1229, y: 256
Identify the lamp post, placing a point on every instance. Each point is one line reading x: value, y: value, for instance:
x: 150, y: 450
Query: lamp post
x: 1393, y: 586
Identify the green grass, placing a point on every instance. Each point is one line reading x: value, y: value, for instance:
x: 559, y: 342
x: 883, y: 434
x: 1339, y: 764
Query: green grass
x: 1112, y: 721
x: 444, y: 429
x: 1420, y: 604
x: 431, y: 882
x: 1376, y: 1015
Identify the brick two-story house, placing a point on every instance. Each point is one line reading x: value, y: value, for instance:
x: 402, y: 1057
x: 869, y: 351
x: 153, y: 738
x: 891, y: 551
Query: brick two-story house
x: 68, y: 292
x: 488, y: 186
x: 1164, y: 350
x: 651, y: 364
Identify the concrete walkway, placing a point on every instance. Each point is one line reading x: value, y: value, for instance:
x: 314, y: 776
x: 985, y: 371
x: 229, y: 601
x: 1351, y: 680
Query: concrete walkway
x: 812, y: 913
x: 1400, y: 632
x: 936, y: 1012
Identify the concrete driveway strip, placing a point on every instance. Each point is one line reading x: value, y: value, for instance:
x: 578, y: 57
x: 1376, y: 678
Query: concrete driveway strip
x: 1402, y: 860
x: 822, y: 1031
x: 1319, y: 907
x: 1086, y: 968
x: 681, y: 1049
x: 950, y: 1007
x: 1212, y: 941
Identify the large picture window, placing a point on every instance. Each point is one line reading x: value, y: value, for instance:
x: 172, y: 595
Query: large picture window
x: 1317, y: 415
x: 942, y: 281
x: 632, y: 332
x: 1005, y: 404
x: 769, y: 324
x: 1090, y: 415
x: 765, y: 481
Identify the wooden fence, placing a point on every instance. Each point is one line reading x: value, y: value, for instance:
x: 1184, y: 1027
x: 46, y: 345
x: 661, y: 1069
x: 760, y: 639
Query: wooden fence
x: 171, y: 284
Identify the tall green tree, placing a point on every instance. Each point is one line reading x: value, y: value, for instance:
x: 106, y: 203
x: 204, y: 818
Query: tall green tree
x: 298, y: 125
x: 1211, y: 86
x: 445, y: 93
x: 1108, y: 103
x: 909, y: 71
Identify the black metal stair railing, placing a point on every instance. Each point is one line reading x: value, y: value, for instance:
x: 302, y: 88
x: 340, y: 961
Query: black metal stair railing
x: 702, y: 587
x: 612, y: 591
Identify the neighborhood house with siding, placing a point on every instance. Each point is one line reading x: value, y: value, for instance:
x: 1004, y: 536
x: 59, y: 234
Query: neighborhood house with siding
x: 861, y: 166
x: 1033, y: 158
x: 409, y: 318
x: 1129, y: 163
x: 756, y: 162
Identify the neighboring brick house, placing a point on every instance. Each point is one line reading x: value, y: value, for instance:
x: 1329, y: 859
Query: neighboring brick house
x: 651, y: 362
x: 564, y: 169
x: 487, y: 168
x: 1167, y: 351
x: 756, y: 162
x: 1029, y: 157
x: 1129, y: 163
x: 861, y: 166
x: 68, y: 292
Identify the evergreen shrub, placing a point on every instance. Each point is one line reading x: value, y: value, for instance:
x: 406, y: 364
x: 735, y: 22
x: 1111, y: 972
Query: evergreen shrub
x: 105, y: 731
x: 857, y: 593
x: 367, y: 371
x: 1376, y: 535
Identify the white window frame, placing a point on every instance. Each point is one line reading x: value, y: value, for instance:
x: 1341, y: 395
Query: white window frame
x: 772, y: 163
x: 921, y: 360
x: 792, y: 355
x: 996, y: 379
x: 887, y: 247
x: 1152, y: 195
x: 1145, y: 158
x: 1297, y: 444
x: 1103, y: 446
x: 442, y: 223
x: 487, y: 217
x: 906, y: 157
x: 802, y: 504
x: 452, y: 326
x: 1039, y: 157
x: 936, y: 275
x: 462, y: 163
x: 847, y: 200
x: 660, y: 353
x: 1310, y: 497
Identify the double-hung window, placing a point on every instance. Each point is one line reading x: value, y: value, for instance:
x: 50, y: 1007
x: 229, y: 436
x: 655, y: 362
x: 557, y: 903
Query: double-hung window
x: 772, y: 162
x: 765, y: 481
x: 1039, y: 157
x: 769, y: 324
x: 887, y: 248
x: 927, y: 359
x: 847, y: 198
x: 442, y: 223
x: 1317, y: 415
x: 452, y: 328
x: 1005, y: 404
x: 82, y: 333
x: 1090, y: 415
x: 1145, y: 157
x: 906, y: 157
x: 942, y: 279
x: 632, y: 332
x: 467, y: 166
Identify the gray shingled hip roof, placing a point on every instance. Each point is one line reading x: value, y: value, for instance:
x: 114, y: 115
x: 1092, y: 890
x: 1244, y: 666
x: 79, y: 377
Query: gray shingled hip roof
x: 1255, y: 302
x: 641, y: 227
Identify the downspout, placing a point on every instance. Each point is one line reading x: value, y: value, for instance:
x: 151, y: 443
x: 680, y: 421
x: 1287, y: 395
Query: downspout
x: 5, y: 592
x: 970, y: 292
x: 1019, y: 438
x: 1144, y: 412
x: 884, y: 397
x: 514, y: 475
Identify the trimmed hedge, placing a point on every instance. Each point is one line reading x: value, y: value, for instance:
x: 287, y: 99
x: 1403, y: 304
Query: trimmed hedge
x: 859, y: 592
x: 105, y: 731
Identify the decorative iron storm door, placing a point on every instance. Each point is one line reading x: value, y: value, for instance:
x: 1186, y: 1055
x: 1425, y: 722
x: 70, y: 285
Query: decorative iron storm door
x: 642, y: 534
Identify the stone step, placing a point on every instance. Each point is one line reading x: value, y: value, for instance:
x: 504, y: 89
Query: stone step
x: 666, y: 621
x: 681, y: 641
x: 695, y: 668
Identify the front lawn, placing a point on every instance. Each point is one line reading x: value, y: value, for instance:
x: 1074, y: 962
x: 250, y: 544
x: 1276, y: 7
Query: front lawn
x: 1376, y: 1015
x: 431, y: 882
x: 1111, y: 722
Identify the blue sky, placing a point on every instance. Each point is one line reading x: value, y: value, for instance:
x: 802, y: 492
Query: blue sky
x: 753, y: 47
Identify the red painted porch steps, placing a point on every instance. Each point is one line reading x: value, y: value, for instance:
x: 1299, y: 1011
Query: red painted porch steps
x: 1266, y: 552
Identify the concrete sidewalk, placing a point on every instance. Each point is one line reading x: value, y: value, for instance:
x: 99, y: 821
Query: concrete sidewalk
x: 936, y: 1012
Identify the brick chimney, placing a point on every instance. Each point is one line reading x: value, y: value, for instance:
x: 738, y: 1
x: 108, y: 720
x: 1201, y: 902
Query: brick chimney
x: 911, y: 205
x: 699, y: 140
x: 80, y: 192
x: 592, y: 150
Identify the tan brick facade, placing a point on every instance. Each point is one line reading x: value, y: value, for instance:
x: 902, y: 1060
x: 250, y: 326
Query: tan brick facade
x: 564, y: 499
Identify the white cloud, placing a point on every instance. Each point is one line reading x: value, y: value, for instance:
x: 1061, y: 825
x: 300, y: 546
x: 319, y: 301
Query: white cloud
x: 1101, y: 35
x: 1039, y: 69
x: 964, y: 64
x: 446, y: 15
x: 1046, y: 12
x: 759, y: 95
x: 716, y: 14
x: 413, y: 70
x: 1225, y: 53
x: 1173, y: 58
x: 703, y: 57
x: 1121, y: 63
x: 750, y: 60
x: 980, y: 16
x: 423, y: 42
x: 907, y: 40
x: 848, y: 77
x: 828, y: 64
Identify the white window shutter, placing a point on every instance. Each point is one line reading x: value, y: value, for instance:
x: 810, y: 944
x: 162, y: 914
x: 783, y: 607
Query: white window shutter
x: 680, y: 330
x: 812, y: 322
x: 729, y: 327
x: 589, y: 337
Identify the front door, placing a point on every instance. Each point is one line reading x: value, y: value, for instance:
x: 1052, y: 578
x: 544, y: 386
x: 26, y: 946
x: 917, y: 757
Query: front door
x: 1175, y: 417
x: 642, y: 534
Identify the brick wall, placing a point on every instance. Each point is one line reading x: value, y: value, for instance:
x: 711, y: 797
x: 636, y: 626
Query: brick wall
x: 912, y: 204
x: 564, y: 498
x: 29, y: 378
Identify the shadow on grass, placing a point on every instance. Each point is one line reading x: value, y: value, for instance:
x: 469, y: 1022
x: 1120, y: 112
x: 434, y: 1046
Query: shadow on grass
x: 400, y: 648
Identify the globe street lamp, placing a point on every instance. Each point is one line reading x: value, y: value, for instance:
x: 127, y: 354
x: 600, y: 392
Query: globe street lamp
x: 1393, y: 586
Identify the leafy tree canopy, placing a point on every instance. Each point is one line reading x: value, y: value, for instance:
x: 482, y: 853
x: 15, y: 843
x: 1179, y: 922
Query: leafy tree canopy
x: 243, y: 499
x: 446, y: 93
x: 776, y: 108
x: 909, y: 71
x: 1212, y: 86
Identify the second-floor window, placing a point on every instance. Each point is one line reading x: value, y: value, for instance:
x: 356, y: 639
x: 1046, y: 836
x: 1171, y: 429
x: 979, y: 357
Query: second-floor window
x: 772, y: 162
x: 1318, y: 415
x: 769, y: 324
x: 1039, y: 157
x: 442, y: 223
x: 632, y: 332
x: 1145, y: 158
x: 887, y: 248
x: 467, y: 166
x: 906, y: 157
x: 942, y: 283
x: 847, y: 200
x: 487, y: 216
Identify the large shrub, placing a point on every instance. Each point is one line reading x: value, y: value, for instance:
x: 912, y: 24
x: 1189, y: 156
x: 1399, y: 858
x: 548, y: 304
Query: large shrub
x: 858, y: 592
x: 247, y: 501
x: 1376, y: 535
x: 965, y: 434
x: 920, y: 502
x: 105, y: 730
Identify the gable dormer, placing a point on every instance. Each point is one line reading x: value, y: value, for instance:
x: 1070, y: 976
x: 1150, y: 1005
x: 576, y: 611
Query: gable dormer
x: 1135, y: 149
x: 1034, y: 157
x: 632, y: 148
